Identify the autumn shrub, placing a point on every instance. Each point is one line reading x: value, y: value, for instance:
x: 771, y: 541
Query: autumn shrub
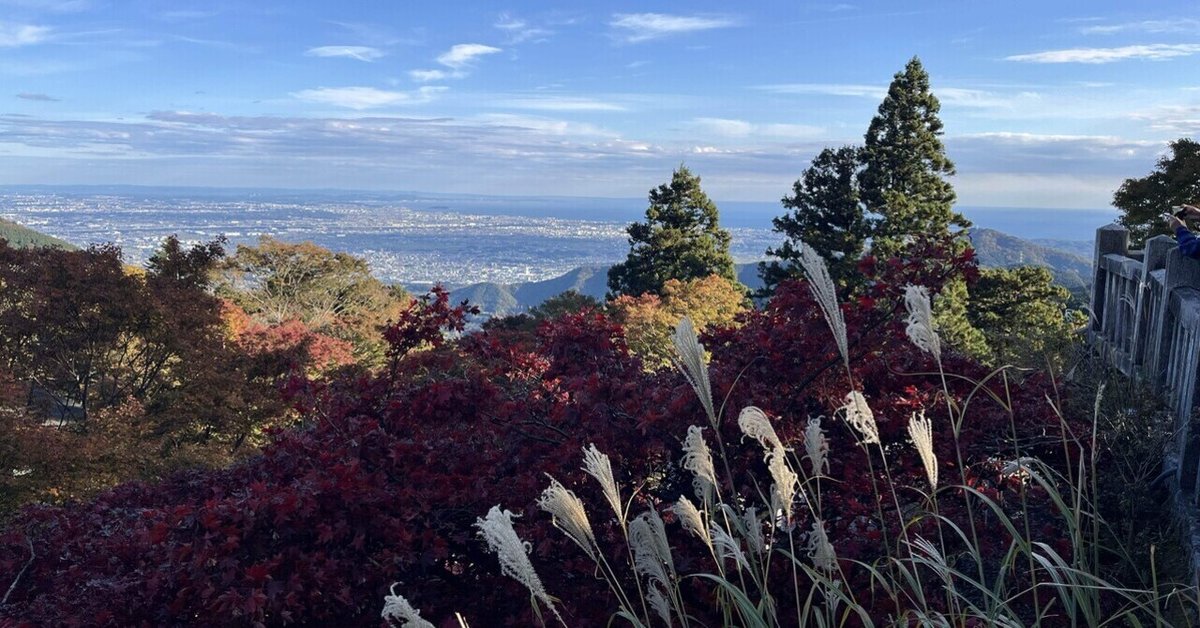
x: 385, y: 482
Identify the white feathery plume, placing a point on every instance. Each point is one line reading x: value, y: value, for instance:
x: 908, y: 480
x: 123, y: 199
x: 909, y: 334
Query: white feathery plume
x: 816, y: 447
x: 754, y: 423
x: 658, y: 601
x: 397, y: 609
x: 690, y: 360
x: 921, y: 329
x: 933, y: 555
x: 860, y: 416
x: 651, y: 551
x: 920, y: 429
x: 597, y: 465
x: 753, y: 532
x: 497, y: 530
x: 569, y: 515
x: 784, y: 483
x: 698, y: 459
x: 820, y: 550
x: 692, y: 520
x: 725, y: 546
x: 825, y: 294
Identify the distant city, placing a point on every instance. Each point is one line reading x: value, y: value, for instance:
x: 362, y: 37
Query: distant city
x: 421, y: 239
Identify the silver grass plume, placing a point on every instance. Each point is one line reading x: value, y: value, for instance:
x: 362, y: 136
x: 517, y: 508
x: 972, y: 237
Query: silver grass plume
x: 569, y: 515
x: 692, y: 520
x: 784, y: 483
x: 597, y: 465
x: 825, y: 293
x: 725, y: 546
x: 932, y: 557
x: 753, y: 531
x: 497, y: 530
x: 754, y: 423
x: 816, y: 447
x: 657, y: 599
x: 921, y: 330
x: 820, y: 550
x: 397, y: 609
x: 698, y: 459
x: 860, y: 416
x: 651, y: 551
x: 920, y: 429
x: 689, y: 358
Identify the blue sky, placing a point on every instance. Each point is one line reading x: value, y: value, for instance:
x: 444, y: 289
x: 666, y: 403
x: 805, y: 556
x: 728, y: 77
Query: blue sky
x: 1046, y: 104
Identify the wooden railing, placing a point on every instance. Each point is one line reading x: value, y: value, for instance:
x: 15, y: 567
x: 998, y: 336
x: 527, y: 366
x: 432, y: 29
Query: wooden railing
x: 1146, y: 320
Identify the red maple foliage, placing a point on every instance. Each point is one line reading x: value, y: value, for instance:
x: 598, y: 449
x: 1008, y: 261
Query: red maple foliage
x: 387, y: 479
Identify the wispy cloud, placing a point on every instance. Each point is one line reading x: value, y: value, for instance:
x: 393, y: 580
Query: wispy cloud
x: 37, y: 97
x: 728, y: 128
x: 361, y: 53
x: 54, y: 6
x: 638, y: 27
x: 426, y: 76
x: 462, y: 55
x: 13, y: 35
x: 560, y: 103
x: 1153, y: 52
x: 361, y: 98
x: 876, y: 92
x: 1180, y: 25
x: 520, y: 30
x: 1175, y: 119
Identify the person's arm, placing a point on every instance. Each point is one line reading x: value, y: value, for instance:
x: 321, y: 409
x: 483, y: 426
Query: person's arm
x: 1189, y: 244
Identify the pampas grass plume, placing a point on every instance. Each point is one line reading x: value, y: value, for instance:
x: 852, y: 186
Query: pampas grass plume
x: 690, y: 360
x: 754, y: 423
x: 816, y: 446
x: 597, y: 465
x: 825, y: 293
x: 921, y: 329
x: 569, y: 515
x: 397, y: 609
x: 920, y: 429
x: 860, y: 416
x: 497, y: 530
x: 698, y: 459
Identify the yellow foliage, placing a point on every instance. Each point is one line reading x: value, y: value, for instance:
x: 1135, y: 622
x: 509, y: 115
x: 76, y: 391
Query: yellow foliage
x: 649, y: 319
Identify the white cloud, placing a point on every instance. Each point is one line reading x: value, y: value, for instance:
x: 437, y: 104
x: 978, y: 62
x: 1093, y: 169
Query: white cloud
x: 639, y: 27
x: 362, y: 53
x: 426, y: 76
x: 740, y: 129
x: 540, y: 124
x: 1154, y: 52
x: 1181, y: 25
x: 560, y: 103
x: 462, y: 55
x: 367, y: 97
x: 875, y: 92
x: 1174, y: 119
x: 13, y: 35
x: 37, y: 97
x: 519, y: 30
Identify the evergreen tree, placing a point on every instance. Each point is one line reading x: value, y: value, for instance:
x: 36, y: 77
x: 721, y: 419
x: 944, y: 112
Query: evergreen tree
x: 1175, y: 181
x: 1024, y: 316
x: 680, y: 239
x: 904, y: 165
x: 826, y: 214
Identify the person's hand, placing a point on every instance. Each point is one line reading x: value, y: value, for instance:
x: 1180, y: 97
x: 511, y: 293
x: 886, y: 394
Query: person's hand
x: 1192, y: 211
x: 1174, y: 223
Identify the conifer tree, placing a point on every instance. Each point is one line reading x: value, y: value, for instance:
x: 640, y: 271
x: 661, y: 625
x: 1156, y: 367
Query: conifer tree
x: 904, y: 165
x: 680, y: 239
x: 826, y: 214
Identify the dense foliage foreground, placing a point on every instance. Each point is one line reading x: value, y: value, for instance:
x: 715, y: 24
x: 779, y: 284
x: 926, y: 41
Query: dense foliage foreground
x: 385, y: 481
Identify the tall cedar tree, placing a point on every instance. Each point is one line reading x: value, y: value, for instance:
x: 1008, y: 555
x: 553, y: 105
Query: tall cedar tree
x: 826, y: 214
x: 1175, y: 181
x: 904, y: 163
x: 680, y: 239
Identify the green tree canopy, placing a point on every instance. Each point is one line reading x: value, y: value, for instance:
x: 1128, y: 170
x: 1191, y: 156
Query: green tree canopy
x: 825, y: 213
x: 1023, y: 315
x: 680, y: 239
x: 904, y: 165
x: 1175, y: 181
